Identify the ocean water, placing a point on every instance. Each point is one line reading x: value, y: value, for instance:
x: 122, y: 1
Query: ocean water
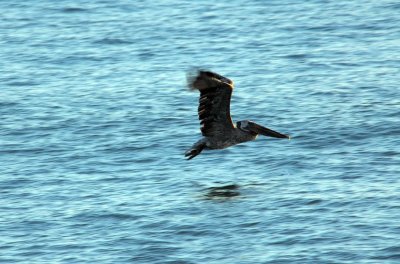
x: 95, y: 118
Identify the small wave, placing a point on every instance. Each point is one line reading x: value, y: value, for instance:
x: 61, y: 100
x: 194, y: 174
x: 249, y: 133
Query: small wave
x: 113, y: 41
x: 22, y: 83
x: 27, y: 151
x: 394, y: 6
x: 107, y: 216
x: 313, y: 202
x: 390, y: 153
x: 323, y: 28
x: 389, y: 253
x: 16, y: 183
x: 8, y: 104
x: 120, y: 216
x: 296, y: 56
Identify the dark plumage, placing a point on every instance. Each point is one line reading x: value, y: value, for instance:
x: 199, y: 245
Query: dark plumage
x: 214, y: 114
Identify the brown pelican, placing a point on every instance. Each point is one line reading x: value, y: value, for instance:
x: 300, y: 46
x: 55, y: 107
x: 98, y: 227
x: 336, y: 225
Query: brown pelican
x: 216, y: 124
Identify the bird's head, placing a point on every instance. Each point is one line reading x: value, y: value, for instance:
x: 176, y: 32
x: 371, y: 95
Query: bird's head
x: 244, y: 125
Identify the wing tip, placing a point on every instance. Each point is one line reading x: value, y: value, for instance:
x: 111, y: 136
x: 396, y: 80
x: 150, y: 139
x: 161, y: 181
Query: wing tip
x: 200, y: 79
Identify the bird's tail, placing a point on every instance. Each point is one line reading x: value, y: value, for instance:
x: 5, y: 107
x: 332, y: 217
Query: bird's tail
x: 195, y: 150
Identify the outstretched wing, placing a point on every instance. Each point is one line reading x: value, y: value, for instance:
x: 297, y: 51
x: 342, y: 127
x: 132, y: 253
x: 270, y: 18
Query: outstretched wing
x: 214, y: 103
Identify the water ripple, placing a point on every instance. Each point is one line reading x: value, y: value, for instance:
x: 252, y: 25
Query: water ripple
x: 96, y: 116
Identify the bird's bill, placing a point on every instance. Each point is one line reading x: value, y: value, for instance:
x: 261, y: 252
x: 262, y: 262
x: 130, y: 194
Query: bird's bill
x: 267, y: 132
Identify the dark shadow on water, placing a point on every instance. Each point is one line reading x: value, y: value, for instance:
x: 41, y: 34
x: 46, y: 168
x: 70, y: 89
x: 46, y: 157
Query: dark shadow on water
x: 73, y: 10
x: 224, y: 192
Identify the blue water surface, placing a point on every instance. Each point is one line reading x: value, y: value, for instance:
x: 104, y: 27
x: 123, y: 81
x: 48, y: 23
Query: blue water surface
x: 95, y: 117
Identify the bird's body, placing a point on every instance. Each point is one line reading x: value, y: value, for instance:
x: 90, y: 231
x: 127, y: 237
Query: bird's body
x: 236, y: 136
x: 214, y: 113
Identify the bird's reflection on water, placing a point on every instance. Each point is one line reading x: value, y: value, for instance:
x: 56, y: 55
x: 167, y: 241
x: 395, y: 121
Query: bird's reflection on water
x: 222, y: 192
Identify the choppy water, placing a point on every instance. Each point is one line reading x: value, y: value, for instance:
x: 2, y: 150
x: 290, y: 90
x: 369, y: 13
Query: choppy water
x: 95, y: 119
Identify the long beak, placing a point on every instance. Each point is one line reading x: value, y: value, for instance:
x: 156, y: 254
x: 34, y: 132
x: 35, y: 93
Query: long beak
x: 267, y: 132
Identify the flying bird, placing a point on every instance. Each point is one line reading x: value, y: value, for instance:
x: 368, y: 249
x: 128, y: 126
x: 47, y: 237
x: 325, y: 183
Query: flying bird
x: 217, y: 128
